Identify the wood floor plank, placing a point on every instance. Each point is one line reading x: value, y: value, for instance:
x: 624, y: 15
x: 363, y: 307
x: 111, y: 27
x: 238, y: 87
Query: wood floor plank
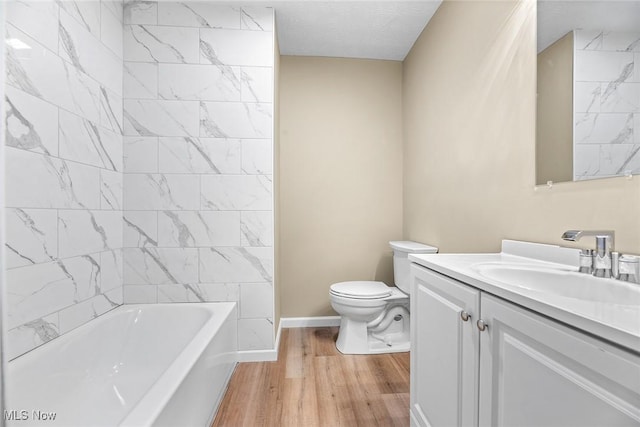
x: 332, y: 393
x: 397, y: 405
x: 312, y: 384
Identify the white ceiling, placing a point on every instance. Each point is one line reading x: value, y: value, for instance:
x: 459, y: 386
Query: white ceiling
x: 556, y: 18
x: 351, y: 29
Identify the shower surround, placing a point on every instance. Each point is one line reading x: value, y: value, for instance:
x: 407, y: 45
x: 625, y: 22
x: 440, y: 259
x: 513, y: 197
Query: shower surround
x: 145, y: 126
x: 63, y: 167
x: 198, y: 125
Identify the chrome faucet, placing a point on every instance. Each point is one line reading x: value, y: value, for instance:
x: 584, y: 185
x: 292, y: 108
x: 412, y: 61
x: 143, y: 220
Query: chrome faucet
x: 602, y: 257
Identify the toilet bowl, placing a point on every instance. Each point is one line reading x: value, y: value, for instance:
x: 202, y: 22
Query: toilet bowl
x: 374, y: 317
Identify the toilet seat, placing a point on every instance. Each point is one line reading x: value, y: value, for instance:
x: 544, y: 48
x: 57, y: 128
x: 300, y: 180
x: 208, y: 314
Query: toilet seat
x: 360, y: 290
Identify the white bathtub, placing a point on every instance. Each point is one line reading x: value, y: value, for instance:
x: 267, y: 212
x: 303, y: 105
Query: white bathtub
x: 138, y: 365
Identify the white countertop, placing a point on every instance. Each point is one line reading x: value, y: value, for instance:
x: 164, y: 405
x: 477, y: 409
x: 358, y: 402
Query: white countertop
x: 617, y: 323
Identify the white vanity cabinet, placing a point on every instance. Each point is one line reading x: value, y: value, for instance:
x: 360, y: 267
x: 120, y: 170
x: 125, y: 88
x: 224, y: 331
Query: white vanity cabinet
x: 524, y: 369
x: 444, y: 350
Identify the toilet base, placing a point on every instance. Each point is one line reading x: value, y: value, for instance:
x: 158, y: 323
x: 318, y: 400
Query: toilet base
x: 356, y: 338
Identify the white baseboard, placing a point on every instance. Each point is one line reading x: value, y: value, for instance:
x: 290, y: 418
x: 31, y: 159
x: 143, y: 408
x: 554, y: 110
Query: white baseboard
x: 309, y: 322
x: 271, y: 355
x: 262, y: 355
x: 257, y: 356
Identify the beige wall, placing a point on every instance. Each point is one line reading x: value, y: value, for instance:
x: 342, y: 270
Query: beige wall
x: 340, y: 183
x: 554, y: 124
x: 469, y: 140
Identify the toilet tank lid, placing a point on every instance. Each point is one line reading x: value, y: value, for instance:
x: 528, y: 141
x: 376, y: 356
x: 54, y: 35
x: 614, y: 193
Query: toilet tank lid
x: 413, y: 247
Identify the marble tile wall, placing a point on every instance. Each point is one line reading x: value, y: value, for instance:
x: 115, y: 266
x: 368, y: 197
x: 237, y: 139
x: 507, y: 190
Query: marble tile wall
x: 64, y: 164
x: 606, y: 104
x: 198, y: 188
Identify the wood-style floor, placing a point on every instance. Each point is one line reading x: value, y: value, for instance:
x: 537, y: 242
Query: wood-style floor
x: 313, y: 384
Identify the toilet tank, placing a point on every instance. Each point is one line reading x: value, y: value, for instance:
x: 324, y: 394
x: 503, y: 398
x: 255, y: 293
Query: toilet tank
x: 401, y: 263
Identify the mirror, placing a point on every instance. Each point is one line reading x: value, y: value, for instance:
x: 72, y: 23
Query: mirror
x: 588, y: 111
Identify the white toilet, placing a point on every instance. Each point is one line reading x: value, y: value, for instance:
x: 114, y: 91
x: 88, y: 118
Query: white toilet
x: 374, y: 316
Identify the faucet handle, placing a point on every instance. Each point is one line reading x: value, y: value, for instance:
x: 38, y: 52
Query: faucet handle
x: 602, y: 264
x: 615, y: 264
x: 629, y: 268
x: 586, y: 261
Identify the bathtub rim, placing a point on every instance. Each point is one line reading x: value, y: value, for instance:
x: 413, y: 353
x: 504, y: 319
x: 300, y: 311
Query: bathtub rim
x: 153, y: 402
x: 165, y: 384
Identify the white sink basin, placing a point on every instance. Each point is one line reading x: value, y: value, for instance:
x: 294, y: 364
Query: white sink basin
x: 561, y: 282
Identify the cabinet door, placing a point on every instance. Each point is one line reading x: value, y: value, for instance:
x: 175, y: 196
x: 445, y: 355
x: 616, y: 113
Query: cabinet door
x: 444, y: 351
x: 537, y: 372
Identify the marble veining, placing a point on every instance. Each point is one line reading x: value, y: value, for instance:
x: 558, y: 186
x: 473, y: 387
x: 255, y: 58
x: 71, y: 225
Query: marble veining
x: 198, y: 158
x: 69, y: 47
x: 140, y: 12
x: 241, y: 192
x: 41, y: 289
x: 198, y: 228
x: 157, y: 266
x: 45, y: 331
x: 208, y: 126
x: 257, y: 156
x: 199, y: 155
x: 32, y: 334
x: 257, y: 84
x: 85, y: 231
x: 31, y: 236
x: 17, y: 75
x: 144, y: 43
x: 191, y: 85
x: 111, y: 111
x: 111, y: 190
x: 40, y: 181
x: 607, y: 102
x: 159, y: 192
x: 628, y: 162
x: 233, y: 47
x: 235, y: 119
x: 589, y: 40
x: 183, y: 234
x: 34, y: 71
x: 22, y: 133
x: 161, y: 118
x: 86, y: 13
x: 111, y: 278
x: 64, y: 180
x: 612, y: 86
x: 236, y: 264
x: 198, y: 82
x: 257, y: 228
x: 85, y: 142
x: 198, y: 292
x: 257, y: 18
x: 141, y: 80
x: 198, y: 14
x: 138, y: 236
x: 621, y: 42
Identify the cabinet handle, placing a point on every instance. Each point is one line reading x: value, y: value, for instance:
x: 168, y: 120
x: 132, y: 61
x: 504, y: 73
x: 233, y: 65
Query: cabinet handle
x: 482, y: 325
x: 464, y: 316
